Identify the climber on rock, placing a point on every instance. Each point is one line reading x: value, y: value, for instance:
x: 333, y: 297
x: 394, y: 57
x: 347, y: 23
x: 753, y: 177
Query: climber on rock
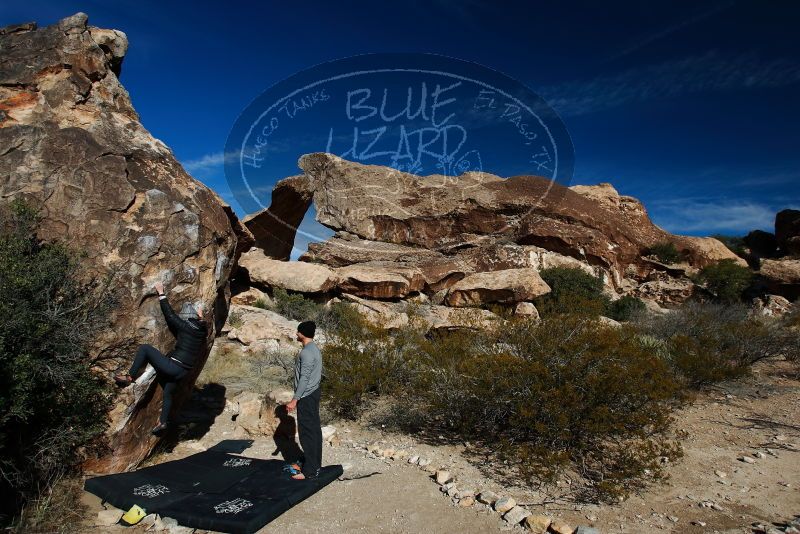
x: 190, y: 331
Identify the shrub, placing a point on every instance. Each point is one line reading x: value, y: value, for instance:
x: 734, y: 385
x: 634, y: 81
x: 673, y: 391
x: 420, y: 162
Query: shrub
x: 726, y: 280
x: 665, y: 252
x: 708, y: 343
x: 235, y: 319
x: 361, y: 360
x: 566, y: 393
x: 294, y: 305
x: 261, y: 303
x: 625, y: 308
x: 52, y: 405
x: 572, y: 291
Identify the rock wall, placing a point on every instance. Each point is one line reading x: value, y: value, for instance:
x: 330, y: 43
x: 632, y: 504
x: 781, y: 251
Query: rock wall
x: 71, y: 144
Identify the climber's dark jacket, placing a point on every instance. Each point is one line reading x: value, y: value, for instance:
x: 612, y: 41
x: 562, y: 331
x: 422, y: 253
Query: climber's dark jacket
x: 190, y: 336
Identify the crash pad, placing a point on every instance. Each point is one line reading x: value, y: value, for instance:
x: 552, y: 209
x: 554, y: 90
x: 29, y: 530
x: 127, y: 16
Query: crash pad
x: 212, y: 490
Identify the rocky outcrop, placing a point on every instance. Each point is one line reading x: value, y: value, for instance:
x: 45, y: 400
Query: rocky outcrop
x: 594, y: 225
x: 394, y: 315
x: 787, y: 231
x: 295, y: 276
x: 274, y: 228
x: 507, y: 286
x: 782, y: 277
x: 72, y: 146
x: 258, y: 329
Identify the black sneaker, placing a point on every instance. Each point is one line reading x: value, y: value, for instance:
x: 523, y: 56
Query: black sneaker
x: 123, y: 380
x: 159, y: 429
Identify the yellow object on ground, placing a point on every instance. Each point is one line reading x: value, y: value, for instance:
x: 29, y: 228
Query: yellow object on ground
x: 133, y: 516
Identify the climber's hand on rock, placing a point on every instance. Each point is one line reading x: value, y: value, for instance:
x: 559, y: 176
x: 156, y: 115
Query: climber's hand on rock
x: 159, y: 287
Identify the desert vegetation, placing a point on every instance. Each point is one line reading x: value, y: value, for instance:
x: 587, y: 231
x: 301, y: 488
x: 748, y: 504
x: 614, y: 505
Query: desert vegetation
x: 564, y: 396
x: 52, y: 405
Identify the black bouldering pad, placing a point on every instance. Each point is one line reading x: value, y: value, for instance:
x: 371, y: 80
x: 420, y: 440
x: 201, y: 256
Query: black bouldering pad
x: 212, y: 490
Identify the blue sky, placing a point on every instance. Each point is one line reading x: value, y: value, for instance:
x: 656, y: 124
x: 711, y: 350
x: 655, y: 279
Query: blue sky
x: 690, y: 106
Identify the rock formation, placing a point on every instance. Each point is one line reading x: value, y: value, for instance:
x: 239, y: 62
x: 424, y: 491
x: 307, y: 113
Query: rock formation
x: 71, y: 145
x: 787, y: 231
x: 473, y: 240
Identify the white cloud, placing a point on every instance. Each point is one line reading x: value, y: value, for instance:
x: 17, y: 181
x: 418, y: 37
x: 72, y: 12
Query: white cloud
x: 713, y: 216
x: 706, y: 73
x: 209, y: 161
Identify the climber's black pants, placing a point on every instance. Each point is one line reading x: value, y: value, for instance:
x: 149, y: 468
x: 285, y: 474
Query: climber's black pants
x: 168, y: 373
x: 310, y: 430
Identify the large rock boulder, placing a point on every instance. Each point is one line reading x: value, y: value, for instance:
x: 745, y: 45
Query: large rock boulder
x: 73, y: 147
x: 294, y: 276
x: 381, y: 280
x: 787, y: 231
x: 506, y: 286
x: 259, y: 329
x: 782, y: 277
x: 395, y: 315
x: 593, y: 224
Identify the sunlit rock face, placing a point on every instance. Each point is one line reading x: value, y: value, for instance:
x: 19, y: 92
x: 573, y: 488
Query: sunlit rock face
x: 71, y: 145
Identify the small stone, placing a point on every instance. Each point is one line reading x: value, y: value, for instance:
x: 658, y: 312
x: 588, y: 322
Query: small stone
x: 424, y: 462
x: 387, y: 453
x: 760, y: 455
x: 537, y: 524
x: 466, y: 502
x: 586, y: 530
x: 721, y: 474
x: 560, y: 527
x: 148, y: 521
x: 504, y: 504
x: 328, y: 432
x: 453, y: 491
x: 446, y: 487
x: 699, y: 523
x: 430, y: 468
x: 747, y: 459
x: 672, y: 518
x: 108, y: 517
x: 414, y: 459
x: 464, y: 493
x: 516, y: 515
x: 443, y: 477
x: 487, y: 497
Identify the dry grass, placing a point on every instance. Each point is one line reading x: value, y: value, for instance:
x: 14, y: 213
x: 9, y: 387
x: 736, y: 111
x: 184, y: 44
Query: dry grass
x: 57, y: 509
x: 237, y: 370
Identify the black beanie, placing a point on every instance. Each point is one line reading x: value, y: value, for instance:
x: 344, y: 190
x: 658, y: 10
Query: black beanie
x: 307, y: 328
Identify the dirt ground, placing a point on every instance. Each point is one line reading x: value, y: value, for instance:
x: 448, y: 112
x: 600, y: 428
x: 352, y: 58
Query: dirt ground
x: 709, y: 490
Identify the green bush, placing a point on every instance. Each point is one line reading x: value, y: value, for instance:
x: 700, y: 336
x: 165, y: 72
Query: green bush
x: 566, y: 393
x: 708, y: 343
x: 726, y: 280
x: 261, y: 303
x: 572, y: 291
x: 361, y: 360
x: 625, y: 308
x: 294, y: 305
x: 52, y: 405
x: 665, y: 252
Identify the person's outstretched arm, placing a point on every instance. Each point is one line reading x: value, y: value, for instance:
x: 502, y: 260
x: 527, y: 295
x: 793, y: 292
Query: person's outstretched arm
x: 175, y: 323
